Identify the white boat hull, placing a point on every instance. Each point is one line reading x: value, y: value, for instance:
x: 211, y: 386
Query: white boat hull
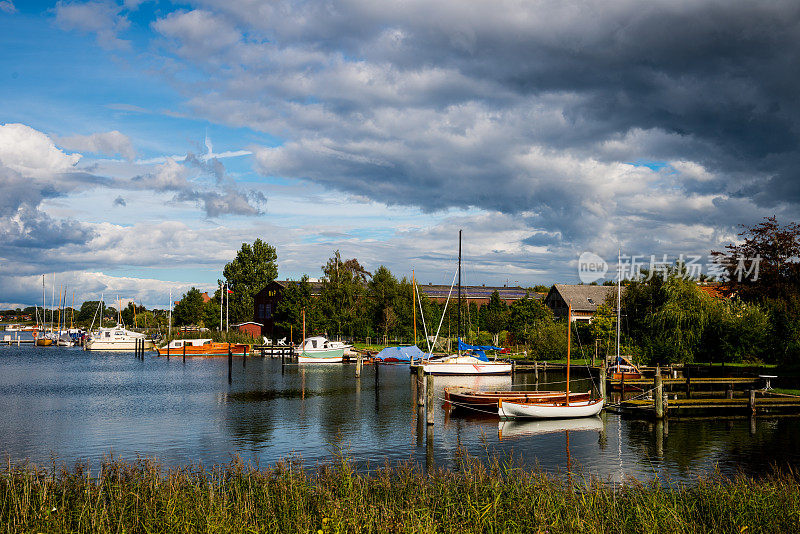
x: 514, y: 410
x: 322, y: 356
x: 125, y: 346
x: 483, y: 368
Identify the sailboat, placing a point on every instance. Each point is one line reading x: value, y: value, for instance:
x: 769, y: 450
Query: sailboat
x: 623, y: 368
x: 562, y: 408
x: 464, y: 364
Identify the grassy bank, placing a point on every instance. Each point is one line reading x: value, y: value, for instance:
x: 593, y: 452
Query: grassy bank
x: 144, y: 497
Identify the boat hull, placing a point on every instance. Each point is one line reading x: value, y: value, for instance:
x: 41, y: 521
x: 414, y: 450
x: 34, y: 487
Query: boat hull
x: 535, y: 410
x: 212, y: 349
x: 322, y: 356
x: 444, y: 368
x: 118, y: 346
x: 469, y: 397
x: 44, y: 342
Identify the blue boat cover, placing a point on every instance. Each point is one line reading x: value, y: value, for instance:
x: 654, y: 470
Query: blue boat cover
x: 400, y: 354
x: 479, y: 351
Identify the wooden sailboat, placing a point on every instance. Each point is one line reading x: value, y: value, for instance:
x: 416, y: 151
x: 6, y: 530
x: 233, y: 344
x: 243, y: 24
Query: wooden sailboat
x: 560, y: 408
x: 460, y: 396
x: 623, y: 368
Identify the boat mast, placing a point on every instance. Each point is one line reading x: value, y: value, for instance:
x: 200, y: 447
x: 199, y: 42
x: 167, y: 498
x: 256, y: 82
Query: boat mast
x: 569, y: 344
x: 414, y: 303
x: 619, y: 297
x: 303, y: 346
x: 44, y: 304
x: 169, y: 331
x: 458, y: 333
x: 53, y: 303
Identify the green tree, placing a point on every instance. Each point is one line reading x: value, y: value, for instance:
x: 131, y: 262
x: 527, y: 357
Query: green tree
x: 289, y: 311
x: 88, y: 311
x: 189, y: 311
x: 341, y: 299
x: 496, y: 316
x: 383, y: 292
x: 250, y: 271
x: 526, y: 317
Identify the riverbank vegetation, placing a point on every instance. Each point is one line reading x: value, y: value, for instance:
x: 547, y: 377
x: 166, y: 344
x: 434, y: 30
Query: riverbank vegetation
x: 474, y: 497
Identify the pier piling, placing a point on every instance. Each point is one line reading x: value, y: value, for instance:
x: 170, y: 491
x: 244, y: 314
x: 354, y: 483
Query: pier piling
x: 358, y: 365
x: 752, y: 402
x: 429, y: 395
x: 602, y: 380
x: 658, y: 394
x: 420, y: 386
x: 184, y: 351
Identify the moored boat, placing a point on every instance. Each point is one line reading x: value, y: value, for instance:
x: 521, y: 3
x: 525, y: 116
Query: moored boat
x: 465, y: 365
x: 557, y: 409
x: 318, y: 349
x: 117, y: 339
x: 201, y: 347
x: 474, y: 398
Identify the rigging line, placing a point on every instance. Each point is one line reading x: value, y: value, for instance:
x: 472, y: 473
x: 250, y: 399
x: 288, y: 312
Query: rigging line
x: 580, y: 346
x: 422, y: 316
x: 444, y: 312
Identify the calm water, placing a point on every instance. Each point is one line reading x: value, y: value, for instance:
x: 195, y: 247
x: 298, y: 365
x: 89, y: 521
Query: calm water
x: 70, y: 405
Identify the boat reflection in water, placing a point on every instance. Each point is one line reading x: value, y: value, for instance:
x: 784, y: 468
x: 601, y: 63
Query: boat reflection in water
x: 520, y: 428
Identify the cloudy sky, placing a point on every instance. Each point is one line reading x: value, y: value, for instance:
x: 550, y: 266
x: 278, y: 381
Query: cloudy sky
x: 141, y: 142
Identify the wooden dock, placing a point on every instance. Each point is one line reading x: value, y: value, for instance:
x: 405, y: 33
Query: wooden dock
x: 740, y: 405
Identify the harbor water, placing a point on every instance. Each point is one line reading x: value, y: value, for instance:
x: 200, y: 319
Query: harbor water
x: 62, y: 405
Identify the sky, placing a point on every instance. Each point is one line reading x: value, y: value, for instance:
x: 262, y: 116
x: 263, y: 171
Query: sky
x: 142, y: 142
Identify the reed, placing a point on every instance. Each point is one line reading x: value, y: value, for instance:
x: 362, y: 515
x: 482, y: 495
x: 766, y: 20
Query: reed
x: 144, y: 496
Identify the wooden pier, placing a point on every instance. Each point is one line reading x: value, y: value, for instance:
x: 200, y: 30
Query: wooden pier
x: 751, y: 404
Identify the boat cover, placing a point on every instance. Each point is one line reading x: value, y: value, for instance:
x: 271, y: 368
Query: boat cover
x: 479, y: 351
x: 400, y: 354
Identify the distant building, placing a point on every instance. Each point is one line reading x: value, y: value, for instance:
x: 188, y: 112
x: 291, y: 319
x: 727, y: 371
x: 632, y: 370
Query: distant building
x: 479, y: 295
x: 205, y: 296
x: 585, y: 299
x: 266, y: 301
x: 250, y: 327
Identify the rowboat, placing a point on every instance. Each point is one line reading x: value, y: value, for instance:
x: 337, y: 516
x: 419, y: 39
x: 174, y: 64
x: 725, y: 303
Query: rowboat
x: 556, y: 409
x: 460, y: 396
x: 201, y: 347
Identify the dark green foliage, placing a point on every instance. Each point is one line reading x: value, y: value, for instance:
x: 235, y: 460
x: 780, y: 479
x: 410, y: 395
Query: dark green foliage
x: 475, y: 497
x: 189, y: 311
x: 341, y: 300
x: 250, y: 271
x: 289, y: 312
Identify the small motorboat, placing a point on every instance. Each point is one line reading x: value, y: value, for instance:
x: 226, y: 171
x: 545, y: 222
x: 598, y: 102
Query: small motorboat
x: 319, y: 349
x: 201, y: 347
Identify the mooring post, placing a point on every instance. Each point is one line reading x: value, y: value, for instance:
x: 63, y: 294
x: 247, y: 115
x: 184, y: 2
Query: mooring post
x: 244, y: 356
x: 429, y: 395
x: 659, y: 394
x: 536, y: 370
x: 688, y: 381
x: 420, y: 386
x: 377, y: 373
x: 729, y: 393
x: 167, y: 351
x: 513, y: 367
x: 184, y: 350
x: 752, y: 402
x: 603, y: 380
x: 358, y: 365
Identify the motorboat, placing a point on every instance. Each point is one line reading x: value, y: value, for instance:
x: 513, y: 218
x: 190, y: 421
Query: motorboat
x: 202, y: 347
x: 117, y: 339
x: 318, y: 349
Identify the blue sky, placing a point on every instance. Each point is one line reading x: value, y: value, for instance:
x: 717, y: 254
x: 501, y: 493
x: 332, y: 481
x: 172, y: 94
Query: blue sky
x: 142, y: 142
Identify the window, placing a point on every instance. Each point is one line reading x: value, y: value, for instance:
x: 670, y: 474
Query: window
x: 267, y: 313
x: 590, y: 300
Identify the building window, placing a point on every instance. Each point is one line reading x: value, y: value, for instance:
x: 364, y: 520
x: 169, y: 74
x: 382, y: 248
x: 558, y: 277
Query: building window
x: 267, y: 310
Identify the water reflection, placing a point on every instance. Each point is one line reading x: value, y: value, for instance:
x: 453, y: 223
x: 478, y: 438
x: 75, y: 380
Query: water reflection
x: 78, y: 405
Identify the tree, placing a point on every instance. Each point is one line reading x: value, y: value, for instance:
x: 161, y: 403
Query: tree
x: 189, y: 311
x: 250, y: 271
x: 341, y: 297
x: 383, y: 292
x: 766, y: 264
x: 289, y: 311
x: 88, y: 311
x: 526, y: 316
x: 496, y: 316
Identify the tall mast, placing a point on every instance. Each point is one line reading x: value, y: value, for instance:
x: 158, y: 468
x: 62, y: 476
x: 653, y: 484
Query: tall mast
x: 169, y: 332
x: 619, y: 296
x: 53, y: 303
x: 227, y: 308
x: 414, y: 303
x: 458, y: 333
x: 221, y: 297
x: 569, y: 343
x: 44, y: 304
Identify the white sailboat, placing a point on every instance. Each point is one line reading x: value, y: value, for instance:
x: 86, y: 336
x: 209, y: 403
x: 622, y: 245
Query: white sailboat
x: 552, y: 410
x: 463, y: 364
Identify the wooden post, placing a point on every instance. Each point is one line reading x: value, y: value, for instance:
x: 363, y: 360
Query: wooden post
x: 358, y: 365
x: 752, y: 402
x: 429, y: 395
x: 244, y: 356
x: 184, y: 350
x: 594, y: 356
x: 603, y: 380
x: 536, y: 370
x: 659, y: 394
x: 730, y: 391
x: 420, y: 386
x: 167, y: 351
x: 513, y: 367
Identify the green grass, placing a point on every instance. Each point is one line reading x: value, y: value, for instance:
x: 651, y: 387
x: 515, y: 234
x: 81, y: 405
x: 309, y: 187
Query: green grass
x: 474, y: 497
x: 787, y: 391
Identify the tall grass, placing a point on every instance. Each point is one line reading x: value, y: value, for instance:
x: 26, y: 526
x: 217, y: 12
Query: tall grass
x: 145, y: 497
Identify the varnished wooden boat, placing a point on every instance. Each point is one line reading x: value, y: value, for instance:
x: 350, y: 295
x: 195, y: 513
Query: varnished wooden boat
x: 202, y: 347
x: 460, y: 396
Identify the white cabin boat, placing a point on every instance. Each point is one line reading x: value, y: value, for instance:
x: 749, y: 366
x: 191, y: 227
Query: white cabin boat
x: 465, y: 365
x: 319, y: 349
x: 117, y: 338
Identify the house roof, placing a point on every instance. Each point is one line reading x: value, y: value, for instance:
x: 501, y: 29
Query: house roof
x: 477, y: 292
x: 583, y: 298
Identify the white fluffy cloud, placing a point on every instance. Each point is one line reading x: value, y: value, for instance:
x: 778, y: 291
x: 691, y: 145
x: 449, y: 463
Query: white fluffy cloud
x: 103, y: 18
x: 106, y: 143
